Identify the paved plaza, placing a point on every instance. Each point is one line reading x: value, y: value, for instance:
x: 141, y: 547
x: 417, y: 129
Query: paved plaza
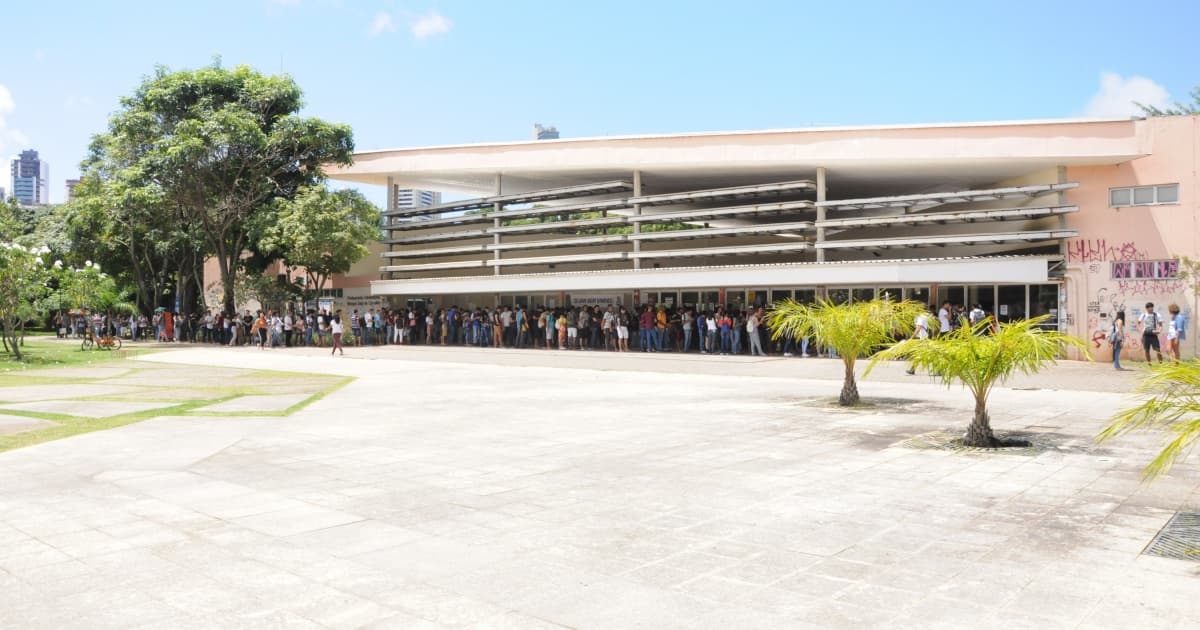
x: 460, y: 488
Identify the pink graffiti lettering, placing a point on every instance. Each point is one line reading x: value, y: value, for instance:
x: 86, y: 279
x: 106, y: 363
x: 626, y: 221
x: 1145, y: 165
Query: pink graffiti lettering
x: 1091, y: 250
x: 1151, y: 287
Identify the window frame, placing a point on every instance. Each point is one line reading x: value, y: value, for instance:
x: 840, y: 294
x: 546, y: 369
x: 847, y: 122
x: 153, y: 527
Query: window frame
x: 1132, y: 191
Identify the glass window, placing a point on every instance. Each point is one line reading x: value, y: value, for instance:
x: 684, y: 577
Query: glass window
x: 806, y: 296
x: 689, y: 298
x: 1043, y: 300
x: 708, y: 300
x: 1143, y: 195
x: 779, y: 295
x: 1168, y: 193
x: 735, y: 300
x: 917, y: 294
x: 893, y: 293
x: 1011, y: 302
x: 862, y: 295
x: 953, y: 294
x: 1119, y: 197
x: 838, y: 296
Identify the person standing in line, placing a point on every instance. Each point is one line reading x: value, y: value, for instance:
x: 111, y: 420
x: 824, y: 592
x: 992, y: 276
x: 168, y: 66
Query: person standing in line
x: 660, y: 329
x: 645, y: 327
x: 1116, y: 337
x: 258, y: 330
x: 752, y: 323
x: 944, y: 318
x: 623, y: 330
x: 687, y: 322
x: 561, y: 323
x: 1149, y: 321
x: 710, y: 323
x: 335, y: 325
x: 233, y: 335
x: 1176, y: 331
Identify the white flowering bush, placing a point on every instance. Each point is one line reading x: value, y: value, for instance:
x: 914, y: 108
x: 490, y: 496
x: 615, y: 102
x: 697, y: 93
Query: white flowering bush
x: 25, y: 286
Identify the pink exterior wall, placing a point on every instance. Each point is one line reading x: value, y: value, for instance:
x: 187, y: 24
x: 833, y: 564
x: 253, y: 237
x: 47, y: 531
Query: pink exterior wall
x: 1134, y: 233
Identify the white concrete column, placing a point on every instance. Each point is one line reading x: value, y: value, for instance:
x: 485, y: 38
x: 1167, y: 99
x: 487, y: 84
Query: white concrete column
x: 637, y: 212
x: 820, y: 211
x: 389, y: 205
x: 496, y: 223
x: 1062, y: 218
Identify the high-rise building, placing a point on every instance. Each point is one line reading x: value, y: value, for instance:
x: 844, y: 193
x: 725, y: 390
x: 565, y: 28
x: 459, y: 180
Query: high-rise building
x: 3, y: 196
x: 30, y: 179
x: 71, y: 184
x: 410, y: 198
x: 544, y: 133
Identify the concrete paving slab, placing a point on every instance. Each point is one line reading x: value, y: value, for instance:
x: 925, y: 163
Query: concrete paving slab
x: 696, y: 493
x: 85, y: 408
x: 11, y: 425
x: 252, y: 404
x: 26, y: 393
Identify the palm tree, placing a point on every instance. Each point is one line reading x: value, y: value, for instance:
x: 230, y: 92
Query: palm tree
x: 1171, y: 401
x: 851, y: 330
x: 980, y: 361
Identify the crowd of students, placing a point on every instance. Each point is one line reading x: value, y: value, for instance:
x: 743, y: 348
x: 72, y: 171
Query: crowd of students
x: 615, y: 328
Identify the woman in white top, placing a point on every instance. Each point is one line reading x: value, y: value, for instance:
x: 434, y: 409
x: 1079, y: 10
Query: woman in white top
x: 335, y: 325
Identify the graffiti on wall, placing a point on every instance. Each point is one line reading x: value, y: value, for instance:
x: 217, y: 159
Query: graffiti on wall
x: 1121, y: 277
x: 1098, y: 250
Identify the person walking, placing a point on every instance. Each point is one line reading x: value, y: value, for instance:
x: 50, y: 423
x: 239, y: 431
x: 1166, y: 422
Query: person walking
x: 920, y: 331
x: 335, y: 325
x: 1149, y: 321
x: 1116, y: 337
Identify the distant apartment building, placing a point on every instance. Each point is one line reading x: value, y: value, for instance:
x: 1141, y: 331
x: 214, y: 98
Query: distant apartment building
x: 3, y: 196
x: 71, y: 184
x: 30, y: 179
x: 544, y: 133
x: 409, y: 198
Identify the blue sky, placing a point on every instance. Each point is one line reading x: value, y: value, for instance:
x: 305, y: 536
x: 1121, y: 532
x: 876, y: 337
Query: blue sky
x: 427, y: 72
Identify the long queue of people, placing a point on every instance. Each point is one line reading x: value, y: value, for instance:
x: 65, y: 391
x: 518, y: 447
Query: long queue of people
x: 615, y: 328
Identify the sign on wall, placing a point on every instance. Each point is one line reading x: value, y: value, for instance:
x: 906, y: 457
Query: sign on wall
x: 1144, y: 269
x: 586, y: 299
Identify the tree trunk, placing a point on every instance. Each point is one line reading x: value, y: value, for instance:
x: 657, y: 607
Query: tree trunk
x: 979, y: 434
x: 849, y: 396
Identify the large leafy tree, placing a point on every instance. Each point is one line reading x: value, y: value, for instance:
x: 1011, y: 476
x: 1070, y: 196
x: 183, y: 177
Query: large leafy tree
x: 122, y: 219
x: 981, y: 361
x: 1171, y: 403
x: 322, y: 232
x: 222, y: 145
x: 851, y: 330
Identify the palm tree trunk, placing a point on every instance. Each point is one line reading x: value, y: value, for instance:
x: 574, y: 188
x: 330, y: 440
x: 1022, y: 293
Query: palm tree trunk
x: 849, y: 396
x: 979, y: 434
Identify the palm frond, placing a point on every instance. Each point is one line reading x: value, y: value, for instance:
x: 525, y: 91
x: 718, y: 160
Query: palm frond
x: 1170, y: 401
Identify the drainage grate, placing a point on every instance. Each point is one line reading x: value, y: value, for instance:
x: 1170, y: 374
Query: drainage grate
x: 1178, y: 539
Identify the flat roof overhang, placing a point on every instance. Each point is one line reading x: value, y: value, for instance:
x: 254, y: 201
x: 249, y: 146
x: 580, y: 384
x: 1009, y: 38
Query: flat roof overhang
x: 980, y: 270
x: 956, y: 154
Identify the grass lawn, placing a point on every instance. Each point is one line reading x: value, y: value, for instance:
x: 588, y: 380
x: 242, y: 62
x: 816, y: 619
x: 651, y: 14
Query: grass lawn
x: 183, y: 389
x: 42, y: 351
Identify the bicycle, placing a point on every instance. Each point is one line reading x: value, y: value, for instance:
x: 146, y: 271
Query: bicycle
x: 101, y: 342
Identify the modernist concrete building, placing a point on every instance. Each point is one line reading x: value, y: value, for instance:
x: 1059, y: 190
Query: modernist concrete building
x: 1075, y: 219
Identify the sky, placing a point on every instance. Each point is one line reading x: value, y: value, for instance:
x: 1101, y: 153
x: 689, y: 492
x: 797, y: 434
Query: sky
x: 432, y: 72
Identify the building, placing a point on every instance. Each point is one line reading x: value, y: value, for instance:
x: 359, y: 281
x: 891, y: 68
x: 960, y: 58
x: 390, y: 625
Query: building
x: 3, y: 195
x: 30, y: 179
x: 544, y: 133
x: 70, y: 185
x: 1072, y: 219
x: 409, y: 198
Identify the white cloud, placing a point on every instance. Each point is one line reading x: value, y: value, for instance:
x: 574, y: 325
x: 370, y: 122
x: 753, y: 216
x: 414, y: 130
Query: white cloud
x: 430, y: 24
x: 382, y: 23
x: 1118, y: 96
x: 10, y: 139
